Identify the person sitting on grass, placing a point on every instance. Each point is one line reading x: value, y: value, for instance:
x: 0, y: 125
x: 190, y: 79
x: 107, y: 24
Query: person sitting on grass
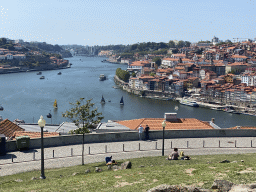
x: 174, y: 155
x: 183, y: 157
x: 109, y: 161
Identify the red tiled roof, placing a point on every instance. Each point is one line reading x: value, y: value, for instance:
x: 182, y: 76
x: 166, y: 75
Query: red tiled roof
x: 156, y: 124
x: 35, y: 134
x: 8, y: 128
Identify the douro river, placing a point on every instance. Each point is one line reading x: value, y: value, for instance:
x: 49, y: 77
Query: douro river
x: 25, y: 96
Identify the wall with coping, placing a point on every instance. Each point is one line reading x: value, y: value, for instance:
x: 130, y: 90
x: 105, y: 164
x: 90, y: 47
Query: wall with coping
x: 131, y: 136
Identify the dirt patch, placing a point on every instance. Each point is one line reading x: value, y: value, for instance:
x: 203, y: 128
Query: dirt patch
x: 122, y: 184
x: 248, y: 170
x: 155, y: 180
x: 220, y: 175
x: 117, y: 176
x: 212, y: 167
x: 189, y: 171
x: 200, y: 184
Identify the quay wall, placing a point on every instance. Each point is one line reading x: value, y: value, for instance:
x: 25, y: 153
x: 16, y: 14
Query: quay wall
x: 131, y: 136
x: 123, y: 85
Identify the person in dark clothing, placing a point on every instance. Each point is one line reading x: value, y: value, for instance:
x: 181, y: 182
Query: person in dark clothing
x: 146, y: 132
x: 108, y: 159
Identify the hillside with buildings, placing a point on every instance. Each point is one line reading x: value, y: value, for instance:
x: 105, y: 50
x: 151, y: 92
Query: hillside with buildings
x: 221, y: 72
x: 20, y: 56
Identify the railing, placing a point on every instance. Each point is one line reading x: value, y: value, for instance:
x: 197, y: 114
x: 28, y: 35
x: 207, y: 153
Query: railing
x: 121, y: 147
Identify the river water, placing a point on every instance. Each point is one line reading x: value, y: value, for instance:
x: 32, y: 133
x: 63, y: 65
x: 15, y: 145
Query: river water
x: 25, y: 96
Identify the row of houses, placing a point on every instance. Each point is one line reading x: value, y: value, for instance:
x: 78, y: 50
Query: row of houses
x: 188, y: 70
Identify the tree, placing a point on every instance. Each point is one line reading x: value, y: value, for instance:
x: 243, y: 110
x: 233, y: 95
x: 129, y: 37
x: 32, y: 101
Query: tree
x: 152, y: 74
x: 171, y: 44
x: 157, y: 60
x: 122, y: 74
x: 180, y: 44
x: 82, y: 113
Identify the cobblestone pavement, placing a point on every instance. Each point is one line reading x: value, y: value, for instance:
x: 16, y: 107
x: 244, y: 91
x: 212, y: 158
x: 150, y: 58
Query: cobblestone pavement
x: 71, y: 155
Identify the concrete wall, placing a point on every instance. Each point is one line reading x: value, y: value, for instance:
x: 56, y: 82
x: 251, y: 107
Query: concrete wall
x: 131, y: 136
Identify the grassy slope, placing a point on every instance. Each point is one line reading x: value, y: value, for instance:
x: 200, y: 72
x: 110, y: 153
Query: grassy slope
x: 200, y: 171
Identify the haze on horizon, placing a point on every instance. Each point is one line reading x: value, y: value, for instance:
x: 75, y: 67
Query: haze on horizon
x: 101, y: 22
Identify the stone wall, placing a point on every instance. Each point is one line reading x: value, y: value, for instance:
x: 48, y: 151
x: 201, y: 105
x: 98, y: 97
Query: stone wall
x: 132, y: 136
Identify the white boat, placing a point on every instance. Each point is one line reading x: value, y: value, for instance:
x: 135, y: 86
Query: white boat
x: 42, y: 77
x: 189, y: 103
x: 217, y: 108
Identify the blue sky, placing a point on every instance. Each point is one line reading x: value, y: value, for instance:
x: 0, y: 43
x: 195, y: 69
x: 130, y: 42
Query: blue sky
x: 104, y: 22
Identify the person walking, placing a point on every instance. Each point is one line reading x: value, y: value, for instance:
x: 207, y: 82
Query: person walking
x: 140, y: 129
x: 147, y: 132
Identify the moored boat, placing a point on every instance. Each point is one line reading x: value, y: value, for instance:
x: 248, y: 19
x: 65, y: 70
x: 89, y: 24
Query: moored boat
x: 59, y: 73
x: 39, y: 73
x: 189, y: 103
x: 42, y: 77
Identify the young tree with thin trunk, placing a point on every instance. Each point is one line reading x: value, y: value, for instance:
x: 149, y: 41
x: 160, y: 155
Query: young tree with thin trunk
x: 83, y: 114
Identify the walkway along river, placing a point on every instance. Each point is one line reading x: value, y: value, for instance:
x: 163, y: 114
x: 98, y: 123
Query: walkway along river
x: 25, y: 96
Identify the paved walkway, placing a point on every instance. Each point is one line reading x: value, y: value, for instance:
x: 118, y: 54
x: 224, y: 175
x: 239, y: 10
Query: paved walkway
x: 65, y: 156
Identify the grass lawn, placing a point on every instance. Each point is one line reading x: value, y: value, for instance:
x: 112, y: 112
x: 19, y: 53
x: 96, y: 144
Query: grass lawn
x: 146, y: 173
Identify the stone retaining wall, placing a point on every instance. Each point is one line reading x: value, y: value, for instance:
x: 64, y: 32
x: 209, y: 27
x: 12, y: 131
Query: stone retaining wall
x: 132, y: 136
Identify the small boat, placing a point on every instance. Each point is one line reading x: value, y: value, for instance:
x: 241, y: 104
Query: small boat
x: 1, y: 108
x: 102, y: 100
x: 59, y: 73
x: 102, y: 77
x: 39, y: 73
x: 237, y: 112
x: 55, y: 104
x: 49, y: 115
x: 42, y: 77
x: 176, y: 108
x: 122, y: 101
x: 18, y: 121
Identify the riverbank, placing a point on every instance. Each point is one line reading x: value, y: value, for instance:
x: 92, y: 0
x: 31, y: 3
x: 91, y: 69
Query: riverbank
x: 166, y: 96
x: 19, y: 70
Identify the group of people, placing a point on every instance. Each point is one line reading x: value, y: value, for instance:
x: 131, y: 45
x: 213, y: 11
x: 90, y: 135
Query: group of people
x: 175, y: 155
x: 146, y: 132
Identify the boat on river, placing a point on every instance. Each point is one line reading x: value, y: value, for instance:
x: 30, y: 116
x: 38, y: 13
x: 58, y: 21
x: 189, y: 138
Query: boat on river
x: 102, y: 77
x: 42, y: 77
x: 102, y: 100
x: 1, y: 108
x: 49, y: 115
x: 55, y: 104
x: 122, y: 101
x: 39, y: 73
x: 59, y: 73
x: 189, y: 102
